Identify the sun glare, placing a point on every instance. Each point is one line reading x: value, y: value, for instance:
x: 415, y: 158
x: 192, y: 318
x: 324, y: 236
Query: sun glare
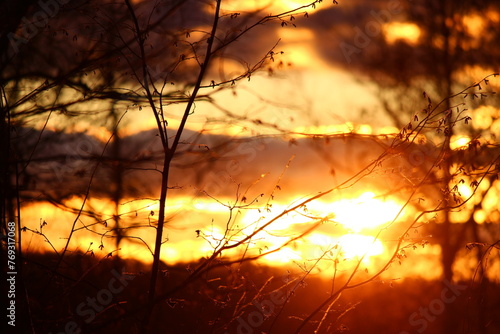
x: 357, y: 245
x: 364, y: 212
x: 349, y: 228
x: 351, y: 239
x: 284, y: 255
x: 346, y: 247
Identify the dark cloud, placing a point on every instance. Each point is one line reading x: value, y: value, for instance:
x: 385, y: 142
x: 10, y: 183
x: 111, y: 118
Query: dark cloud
x: 63, y: 163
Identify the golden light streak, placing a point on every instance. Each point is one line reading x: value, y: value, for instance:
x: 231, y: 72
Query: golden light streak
x: 269, y: 5
x: 347, y: 127
x: 349, y: 241
x: 387, y: 130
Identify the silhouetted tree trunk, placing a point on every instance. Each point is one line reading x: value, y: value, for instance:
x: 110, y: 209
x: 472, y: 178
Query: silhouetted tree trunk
x: 117, y: 177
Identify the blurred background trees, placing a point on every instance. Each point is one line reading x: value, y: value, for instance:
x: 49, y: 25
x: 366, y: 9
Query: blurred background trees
x: 436, y: 48
x: 94, y: 94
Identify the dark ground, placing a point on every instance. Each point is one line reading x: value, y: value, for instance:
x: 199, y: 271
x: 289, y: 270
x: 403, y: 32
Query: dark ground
x: 91, y: 296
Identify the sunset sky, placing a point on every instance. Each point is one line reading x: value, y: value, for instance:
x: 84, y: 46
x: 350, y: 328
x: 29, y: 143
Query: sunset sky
x: 253, y: 141
x: 229, y: 166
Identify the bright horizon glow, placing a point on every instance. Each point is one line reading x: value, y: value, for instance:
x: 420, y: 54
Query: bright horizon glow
x: 365, y: 212
x: 357, y: 245
x: 349, y: 241
x: 349, y: 246
x: 344, y: 128
x: 269, y: 5
x: 359, y: 216
x: 355, y: 214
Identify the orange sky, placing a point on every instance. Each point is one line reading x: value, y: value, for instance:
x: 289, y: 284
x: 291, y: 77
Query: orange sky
x: 311, y: 96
